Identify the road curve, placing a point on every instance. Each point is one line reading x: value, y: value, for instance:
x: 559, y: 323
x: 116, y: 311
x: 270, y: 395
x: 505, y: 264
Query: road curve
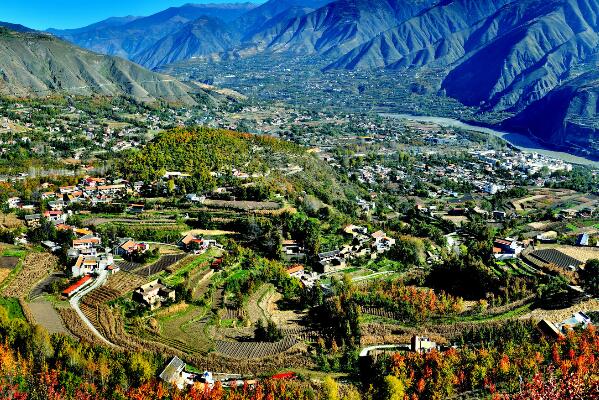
x: 364, y: 352
x: 77, y: 298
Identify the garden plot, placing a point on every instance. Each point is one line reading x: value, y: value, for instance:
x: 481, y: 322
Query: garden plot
x: 128, y: 266
x: 44, y: 286
x: 583, y: 254
x: 160, y: 265
x: 45, y: 315
x: 7, y: 264
x: 124, y: 282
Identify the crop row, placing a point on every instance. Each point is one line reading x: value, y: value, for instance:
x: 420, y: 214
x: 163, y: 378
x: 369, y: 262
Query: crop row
x: 160, y: 265
x: 36, y: 266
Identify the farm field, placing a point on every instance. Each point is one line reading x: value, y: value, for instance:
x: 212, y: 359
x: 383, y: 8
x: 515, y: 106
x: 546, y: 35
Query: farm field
x: 243, y: 205
x: 252, y: 350
x: 187, y: 326
x: 195, y: 262
x: 210, y: 232
x: 162, y: 264
x: 580, y: 253
x: 34, y: 268
x: 45, y: 315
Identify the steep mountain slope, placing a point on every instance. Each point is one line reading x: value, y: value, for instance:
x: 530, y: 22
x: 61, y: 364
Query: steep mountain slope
x: 201, y: 37
x: 208, y: 36
x: 532, y: 45
x: 36, y: 64
x: 254, y: 21
x: 567, y: 116
x: 338, y: 27
x: 129, y: 39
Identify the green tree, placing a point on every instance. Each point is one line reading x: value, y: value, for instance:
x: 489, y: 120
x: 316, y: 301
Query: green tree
x: 330, y: 389
x: 590, y: 277
x: 394, y: 388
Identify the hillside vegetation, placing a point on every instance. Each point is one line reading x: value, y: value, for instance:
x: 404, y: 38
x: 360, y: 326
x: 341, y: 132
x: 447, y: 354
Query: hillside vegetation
x: 211, y: 156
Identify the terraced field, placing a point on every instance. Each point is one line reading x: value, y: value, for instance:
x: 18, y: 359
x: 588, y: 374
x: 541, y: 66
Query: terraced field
x: 252, y: 350
x: 185, y: 330
x: 128, y: 266
x: 124, y: 282
x: 160, y: 265
x: 35, y: 267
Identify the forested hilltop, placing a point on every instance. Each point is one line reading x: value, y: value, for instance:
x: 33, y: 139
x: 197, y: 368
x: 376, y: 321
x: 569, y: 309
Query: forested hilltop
x: 214, y: 157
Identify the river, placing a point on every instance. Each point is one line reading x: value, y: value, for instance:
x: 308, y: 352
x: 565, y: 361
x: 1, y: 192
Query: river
x: 518, y: 140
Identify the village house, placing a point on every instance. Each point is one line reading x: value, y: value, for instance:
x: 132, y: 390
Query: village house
x: 217, y: 264
x: 153, y: 294
x: 557, y: 330
x: 56, y: 217
x: 67, y: 189
x: 48, y: 195
x: 382, y: 242
x: 136, y: 208
x: 508, y: 248
x: 174, y: 373
x: 50, y: 246
x: 422, y: 345
x: 86, y: 242
x: 197, y: 244
x: 33, y: 220
x: 331, y: 261
x: 355, y: 230
x: 296, y: 271
x: 87, y: 264
x: 77, y: 286
x: 57, y: 205
x: 14, y: 202
x: 127, y: 247
x: 194, y: 198
x: 293, y: 251
x: 583, y: 239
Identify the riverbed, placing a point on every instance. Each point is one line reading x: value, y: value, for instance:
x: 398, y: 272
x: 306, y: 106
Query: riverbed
x: 522, y: 142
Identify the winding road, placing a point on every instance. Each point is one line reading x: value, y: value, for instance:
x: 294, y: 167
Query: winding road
x: 77, y: 298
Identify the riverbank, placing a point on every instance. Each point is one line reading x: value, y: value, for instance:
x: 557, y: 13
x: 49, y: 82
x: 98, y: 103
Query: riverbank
x: 521, y: 142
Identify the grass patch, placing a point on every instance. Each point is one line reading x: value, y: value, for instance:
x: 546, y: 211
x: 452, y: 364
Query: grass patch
x: 12, y: 307
x: 14, y: 253
x: 571, y: 227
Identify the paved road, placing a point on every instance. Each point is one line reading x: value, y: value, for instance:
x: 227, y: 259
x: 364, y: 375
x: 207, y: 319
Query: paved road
x: 77, y: 298
x: 367, y: 350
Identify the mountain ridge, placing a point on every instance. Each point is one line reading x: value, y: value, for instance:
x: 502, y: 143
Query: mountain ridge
x: 38, y: 64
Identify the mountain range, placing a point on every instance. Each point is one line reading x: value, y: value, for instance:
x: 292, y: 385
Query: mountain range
x: 516, y: 57
x: 38, y: 64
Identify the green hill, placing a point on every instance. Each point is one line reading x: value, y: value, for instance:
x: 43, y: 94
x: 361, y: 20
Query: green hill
x: 212, y: 155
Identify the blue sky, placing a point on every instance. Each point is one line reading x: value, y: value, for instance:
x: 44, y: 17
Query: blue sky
x: 43, y: 14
